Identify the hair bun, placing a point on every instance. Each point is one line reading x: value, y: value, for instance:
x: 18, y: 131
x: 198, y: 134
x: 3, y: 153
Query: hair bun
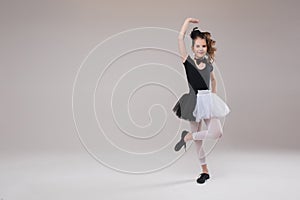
x: 195, y: 33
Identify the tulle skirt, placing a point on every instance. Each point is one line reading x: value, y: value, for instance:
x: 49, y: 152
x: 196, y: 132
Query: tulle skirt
x: 209, y: 105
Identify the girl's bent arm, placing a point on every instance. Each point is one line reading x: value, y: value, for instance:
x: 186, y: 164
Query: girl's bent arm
x: 181, y: 44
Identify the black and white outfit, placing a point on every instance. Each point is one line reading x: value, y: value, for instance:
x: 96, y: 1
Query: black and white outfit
x: 200, y: 103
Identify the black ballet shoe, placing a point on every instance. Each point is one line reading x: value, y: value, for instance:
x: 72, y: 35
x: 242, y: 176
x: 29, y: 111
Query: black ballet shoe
x: 203, y: 178
x: 181, y: 143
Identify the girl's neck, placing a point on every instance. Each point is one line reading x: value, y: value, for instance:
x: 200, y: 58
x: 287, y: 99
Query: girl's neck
x: 195, y: 57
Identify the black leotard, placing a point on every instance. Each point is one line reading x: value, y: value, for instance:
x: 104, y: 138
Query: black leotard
x: 198, y: 79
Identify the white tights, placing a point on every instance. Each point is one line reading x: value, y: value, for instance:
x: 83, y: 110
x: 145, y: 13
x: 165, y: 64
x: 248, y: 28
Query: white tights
x: 214, y: 131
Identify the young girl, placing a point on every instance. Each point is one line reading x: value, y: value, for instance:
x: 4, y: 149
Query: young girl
x: 201, y: 102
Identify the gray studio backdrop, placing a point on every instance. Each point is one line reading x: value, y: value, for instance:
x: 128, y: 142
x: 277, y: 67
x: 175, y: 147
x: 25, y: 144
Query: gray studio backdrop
x: 44, y: 43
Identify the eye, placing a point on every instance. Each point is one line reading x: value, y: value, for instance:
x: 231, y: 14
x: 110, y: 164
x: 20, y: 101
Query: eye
x: 204, y: 46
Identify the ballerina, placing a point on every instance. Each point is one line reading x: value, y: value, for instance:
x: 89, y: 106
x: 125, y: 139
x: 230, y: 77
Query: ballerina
x: 202, y: 102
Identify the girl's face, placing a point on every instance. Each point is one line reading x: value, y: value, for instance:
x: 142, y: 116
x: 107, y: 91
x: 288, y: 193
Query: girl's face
x: 200, y: 47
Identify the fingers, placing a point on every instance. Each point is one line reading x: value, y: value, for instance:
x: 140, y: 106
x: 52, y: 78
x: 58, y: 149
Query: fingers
x: 194, y: 20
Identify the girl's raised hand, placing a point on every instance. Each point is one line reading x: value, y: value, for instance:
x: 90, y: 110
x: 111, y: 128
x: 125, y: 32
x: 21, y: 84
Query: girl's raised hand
x: 193, y: 20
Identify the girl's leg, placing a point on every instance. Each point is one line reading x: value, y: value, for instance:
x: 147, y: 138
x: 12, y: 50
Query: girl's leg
x: 214, y: 130
x: 195, y: 127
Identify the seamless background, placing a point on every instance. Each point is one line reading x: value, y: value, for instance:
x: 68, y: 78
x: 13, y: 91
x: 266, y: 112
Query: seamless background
x: 44, y: 42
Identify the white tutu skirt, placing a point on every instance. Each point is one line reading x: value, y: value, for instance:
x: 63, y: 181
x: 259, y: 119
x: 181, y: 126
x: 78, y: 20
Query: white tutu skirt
x: 209, y: 105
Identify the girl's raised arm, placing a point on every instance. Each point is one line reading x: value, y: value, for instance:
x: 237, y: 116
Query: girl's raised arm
x: 181, y: 45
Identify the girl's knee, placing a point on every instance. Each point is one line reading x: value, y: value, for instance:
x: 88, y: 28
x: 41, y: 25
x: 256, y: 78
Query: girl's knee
x: 218, y: 134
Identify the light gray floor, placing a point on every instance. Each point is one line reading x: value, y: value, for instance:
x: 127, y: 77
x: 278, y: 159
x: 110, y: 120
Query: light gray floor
x: 235, y: 174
